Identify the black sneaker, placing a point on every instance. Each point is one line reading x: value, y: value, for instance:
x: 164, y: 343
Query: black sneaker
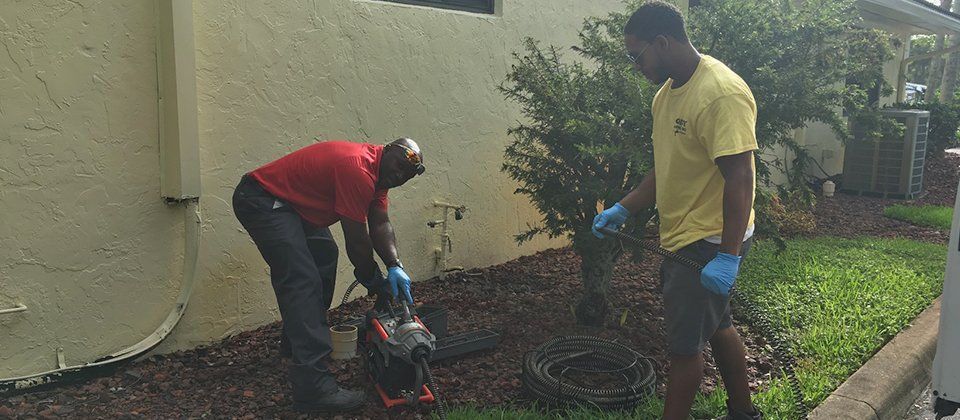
x: 337, y: 402
x: 740, y: 415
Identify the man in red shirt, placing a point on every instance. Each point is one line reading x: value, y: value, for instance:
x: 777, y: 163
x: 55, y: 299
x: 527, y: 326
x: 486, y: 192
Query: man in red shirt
x: 287, y: 207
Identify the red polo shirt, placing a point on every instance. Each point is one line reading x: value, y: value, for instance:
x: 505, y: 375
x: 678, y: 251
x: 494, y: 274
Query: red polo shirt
x: 326, y: 181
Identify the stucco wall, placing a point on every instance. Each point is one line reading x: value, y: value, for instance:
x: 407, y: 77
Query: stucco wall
x: 89, y: 246
x: 273, y: 77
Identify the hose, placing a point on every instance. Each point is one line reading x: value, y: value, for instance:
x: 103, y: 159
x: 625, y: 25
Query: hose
x: 781, y: 351
x: 545, y: 368
x: 432, y: 384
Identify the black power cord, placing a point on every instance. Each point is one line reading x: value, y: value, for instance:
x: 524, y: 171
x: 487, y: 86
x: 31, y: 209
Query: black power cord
x: 781, y: 351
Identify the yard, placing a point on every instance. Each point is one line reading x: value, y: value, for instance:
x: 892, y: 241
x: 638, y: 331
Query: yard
x: 817, y: 291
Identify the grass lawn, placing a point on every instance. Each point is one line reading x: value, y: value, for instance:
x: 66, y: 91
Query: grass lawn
x: 838, y: 301
x: 931, y: 216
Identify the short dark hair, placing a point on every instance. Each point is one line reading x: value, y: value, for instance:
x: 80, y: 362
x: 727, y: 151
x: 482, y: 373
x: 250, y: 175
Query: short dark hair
x: 654, y: 18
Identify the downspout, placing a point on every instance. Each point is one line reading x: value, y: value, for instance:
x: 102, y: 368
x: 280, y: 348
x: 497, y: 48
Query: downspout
x: 902, y: 76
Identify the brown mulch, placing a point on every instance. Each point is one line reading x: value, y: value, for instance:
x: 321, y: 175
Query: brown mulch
x: 526, y: 300
x: 850, y: 216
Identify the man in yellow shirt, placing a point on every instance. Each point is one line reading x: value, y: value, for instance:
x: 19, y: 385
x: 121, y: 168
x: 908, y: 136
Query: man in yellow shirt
x: 704, y: 119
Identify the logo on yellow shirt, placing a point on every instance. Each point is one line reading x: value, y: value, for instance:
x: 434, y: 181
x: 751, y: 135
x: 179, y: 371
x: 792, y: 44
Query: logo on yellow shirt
x: 680, y: 127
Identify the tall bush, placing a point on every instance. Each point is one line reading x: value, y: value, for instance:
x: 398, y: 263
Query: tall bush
x: 943, y: 125
x: 586, y: 138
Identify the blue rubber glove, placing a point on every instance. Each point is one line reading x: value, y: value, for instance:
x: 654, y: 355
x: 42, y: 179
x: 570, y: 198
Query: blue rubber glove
x: 720, y: 273
x: 613, y: 218
x: 399, y: 282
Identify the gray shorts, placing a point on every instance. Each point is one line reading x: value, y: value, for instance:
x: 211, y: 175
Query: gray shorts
x: 691, y: 312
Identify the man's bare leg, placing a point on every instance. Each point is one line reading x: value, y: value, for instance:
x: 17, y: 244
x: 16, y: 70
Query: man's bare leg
x: 686, y: 372
x: 730, y: 355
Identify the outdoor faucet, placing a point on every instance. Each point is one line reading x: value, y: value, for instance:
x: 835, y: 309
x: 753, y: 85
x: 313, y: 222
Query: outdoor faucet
x: 446, y: 244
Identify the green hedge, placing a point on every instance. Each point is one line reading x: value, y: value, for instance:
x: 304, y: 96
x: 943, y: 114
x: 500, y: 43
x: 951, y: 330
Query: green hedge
x: 944, y: 122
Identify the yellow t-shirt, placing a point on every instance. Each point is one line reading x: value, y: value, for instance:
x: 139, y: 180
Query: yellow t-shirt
x: 712, y: 115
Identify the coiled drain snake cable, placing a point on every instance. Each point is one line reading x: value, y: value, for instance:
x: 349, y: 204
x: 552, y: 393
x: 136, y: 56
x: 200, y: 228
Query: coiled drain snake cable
x: 781, y: 351
x: 545, y: 369
x: 639, y: 373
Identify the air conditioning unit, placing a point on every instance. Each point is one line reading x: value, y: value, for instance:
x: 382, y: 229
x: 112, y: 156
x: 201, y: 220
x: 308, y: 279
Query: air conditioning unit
x: 890, y: 167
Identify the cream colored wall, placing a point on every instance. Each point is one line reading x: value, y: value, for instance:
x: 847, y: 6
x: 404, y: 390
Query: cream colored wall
x: 87, y: 244
x: 273, y: 77
x: 93, y: 252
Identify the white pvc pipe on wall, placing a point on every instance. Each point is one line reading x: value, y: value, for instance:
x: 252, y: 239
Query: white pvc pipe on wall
x: 19, y: 308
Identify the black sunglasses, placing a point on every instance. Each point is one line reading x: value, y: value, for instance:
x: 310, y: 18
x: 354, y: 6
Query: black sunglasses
x: 634, y: 57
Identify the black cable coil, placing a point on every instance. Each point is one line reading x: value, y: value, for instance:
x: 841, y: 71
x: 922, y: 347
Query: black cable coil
x: 781, y: 351
x: 547, y: 369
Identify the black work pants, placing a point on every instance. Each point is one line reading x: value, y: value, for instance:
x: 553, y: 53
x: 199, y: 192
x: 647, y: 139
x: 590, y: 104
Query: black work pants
x: 303, y: 270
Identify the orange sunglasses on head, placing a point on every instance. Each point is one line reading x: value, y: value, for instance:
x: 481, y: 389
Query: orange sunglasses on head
x: 414, y: 159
